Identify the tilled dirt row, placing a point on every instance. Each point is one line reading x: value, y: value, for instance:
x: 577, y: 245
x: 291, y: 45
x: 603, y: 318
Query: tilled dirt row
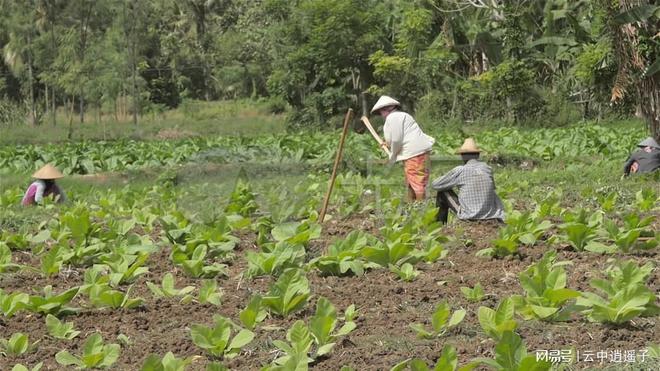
x: 386, y: 306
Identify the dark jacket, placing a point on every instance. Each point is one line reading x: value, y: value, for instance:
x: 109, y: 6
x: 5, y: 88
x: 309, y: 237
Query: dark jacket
x: 648, y: 161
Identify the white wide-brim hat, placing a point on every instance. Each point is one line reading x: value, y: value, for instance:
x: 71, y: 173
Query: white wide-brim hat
x: 469, y: 146
x: 48, y: 172
x: 385, y: 101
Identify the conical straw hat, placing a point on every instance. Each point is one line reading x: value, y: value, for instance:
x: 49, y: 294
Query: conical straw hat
x: 48, y: 172
x: 469, y: 146
x: 385, y: 101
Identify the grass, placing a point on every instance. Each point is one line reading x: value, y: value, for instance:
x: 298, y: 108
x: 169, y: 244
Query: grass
x: 192, y: 118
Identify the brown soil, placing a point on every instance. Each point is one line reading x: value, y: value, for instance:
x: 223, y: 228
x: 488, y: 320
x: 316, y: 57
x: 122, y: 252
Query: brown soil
x: 386, y: 305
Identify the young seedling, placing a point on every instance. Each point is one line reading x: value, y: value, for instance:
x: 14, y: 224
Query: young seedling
x: 323, y: 324
x: 60, y: 330
x: 344, y: 256
x: 448, y: 361
x: 209, y: 293
x: 475, y: 294
x: 105, y: 297
x: 497, y: 322
x: 169, y: 362
x: 20, y: 367
x: 406, y: 273
x: 253, y: 313
x: 511, y: 354
x: 296, y: 351
x: 12, y: 303
x: 288, y: 294
x: 626, y: 295
x: 216, y: 339
x: 547, y: 295
x: 441, y: 322
x: 283, y: 256
x: 95, y: 354
x: 17, y: 345
x: 167, y: 288
x: 51, y: 303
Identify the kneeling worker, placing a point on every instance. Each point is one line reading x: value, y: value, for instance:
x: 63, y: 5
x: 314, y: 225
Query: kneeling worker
x: 476, y: 198
x: 44, y: 186
x: 645, y: 160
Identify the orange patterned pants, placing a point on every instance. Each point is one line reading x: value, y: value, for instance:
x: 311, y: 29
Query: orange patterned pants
x: 417, y: 171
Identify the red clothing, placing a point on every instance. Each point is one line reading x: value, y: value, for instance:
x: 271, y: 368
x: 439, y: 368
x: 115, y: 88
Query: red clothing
x: 417, y: 173
x: 38, y: 190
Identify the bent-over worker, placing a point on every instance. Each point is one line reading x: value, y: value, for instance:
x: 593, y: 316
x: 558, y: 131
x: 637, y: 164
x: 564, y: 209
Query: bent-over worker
x: 44, y: 186
x: 476, y: 199
x: 644, y: 160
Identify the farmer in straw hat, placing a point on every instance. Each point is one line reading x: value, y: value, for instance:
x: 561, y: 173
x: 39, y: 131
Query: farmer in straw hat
x: 44, y: 186
x: 644, y: 160
x: 408, y: 143
x: 476, y: 199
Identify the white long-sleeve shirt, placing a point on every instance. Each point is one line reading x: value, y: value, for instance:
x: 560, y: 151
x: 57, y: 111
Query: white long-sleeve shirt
x: 404, y: 137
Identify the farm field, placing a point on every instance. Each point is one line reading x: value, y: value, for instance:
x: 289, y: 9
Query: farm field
x: 211, y: 249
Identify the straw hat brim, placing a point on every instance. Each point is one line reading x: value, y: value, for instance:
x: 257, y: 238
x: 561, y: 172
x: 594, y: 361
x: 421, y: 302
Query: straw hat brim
x: 48, y: 172
x: 462, y: 151
x: 383, y: 102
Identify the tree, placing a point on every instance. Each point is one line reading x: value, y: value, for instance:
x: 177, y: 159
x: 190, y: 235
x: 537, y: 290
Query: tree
x: 635, y: 32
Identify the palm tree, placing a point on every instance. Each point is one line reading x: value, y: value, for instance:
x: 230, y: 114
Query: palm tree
x: 636, y: 36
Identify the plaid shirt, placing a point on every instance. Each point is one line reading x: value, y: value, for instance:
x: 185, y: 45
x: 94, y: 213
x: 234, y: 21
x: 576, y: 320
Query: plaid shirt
x: 476, y: 195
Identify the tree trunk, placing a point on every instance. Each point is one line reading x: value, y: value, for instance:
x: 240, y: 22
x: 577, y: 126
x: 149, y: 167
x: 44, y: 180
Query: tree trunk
x: 136, y: 98
x: 633, y: 64
x: 33, y: 110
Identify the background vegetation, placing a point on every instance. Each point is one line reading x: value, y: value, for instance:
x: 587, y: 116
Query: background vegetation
x: 70, y: 62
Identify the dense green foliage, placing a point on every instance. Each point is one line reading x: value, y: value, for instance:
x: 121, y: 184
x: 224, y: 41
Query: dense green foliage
x: 511, y: 60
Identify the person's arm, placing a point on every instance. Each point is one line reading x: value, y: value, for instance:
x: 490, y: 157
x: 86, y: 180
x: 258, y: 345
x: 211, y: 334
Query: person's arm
x: 448, y: 181
x: 394, y: 129
x: 626, y: 167
x: 39, y: 195
x: 59, y: 192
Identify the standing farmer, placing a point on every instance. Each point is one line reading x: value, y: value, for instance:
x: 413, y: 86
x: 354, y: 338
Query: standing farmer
x: 44, y: 186
x: 408, y: 143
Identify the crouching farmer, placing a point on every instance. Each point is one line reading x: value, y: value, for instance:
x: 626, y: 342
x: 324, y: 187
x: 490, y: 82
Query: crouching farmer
x: 44, y: 186
x: 476, y: 199
x: 645, y: 160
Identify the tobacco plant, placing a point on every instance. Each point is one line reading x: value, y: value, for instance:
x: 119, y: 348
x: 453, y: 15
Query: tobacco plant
x: 475, y: 294
x: 209, y: 293
x: 322, y: 327
x: 59, y: 329
x: 169, y: 362
x: 496, y: 322
x: 95, y: 354
x: 17, y: 345
x: 448, y: 361
x: 547, y: 295
x: 344, y: 256
x: 288, y: 294
x: 625, y: 295
x: 167, y: 289
x: 282, y: 256
x: 442, y: 320
x: 50, y: 303
x: 511, y: 355
x: 216, y: 339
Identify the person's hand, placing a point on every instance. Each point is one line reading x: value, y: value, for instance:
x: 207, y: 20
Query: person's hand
x: 634, y: 167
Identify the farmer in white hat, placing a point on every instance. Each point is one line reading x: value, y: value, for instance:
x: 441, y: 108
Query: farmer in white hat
x: 644, y: 160
x: 476, y: 199
x: 408, y: 143
x: 44, y: 186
